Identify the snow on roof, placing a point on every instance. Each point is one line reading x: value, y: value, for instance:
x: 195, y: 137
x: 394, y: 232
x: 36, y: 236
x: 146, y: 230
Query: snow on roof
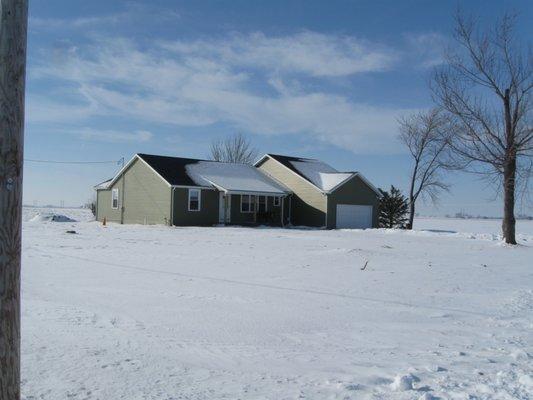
x: 104, y: 184
x: 232, y: 177
x: 320, y: 174
x: 323, y: 176
x: 179, y: 171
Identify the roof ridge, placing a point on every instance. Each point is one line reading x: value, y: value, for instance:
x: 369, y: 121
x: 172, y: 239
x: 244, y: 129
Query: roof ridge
x: 293, y: 157
x: 192, y: 159
x: 175, y: 157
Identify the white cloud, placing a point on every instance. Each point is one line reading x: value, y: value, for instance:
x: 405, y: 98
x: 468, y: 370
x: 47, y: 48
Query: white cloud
x: 74, y: 23
x: 49, y: 109
x: 199, y: 83
x: 311, y: 53
x: 426, y: 49
x: 134, y: 13
x: 113, y: 136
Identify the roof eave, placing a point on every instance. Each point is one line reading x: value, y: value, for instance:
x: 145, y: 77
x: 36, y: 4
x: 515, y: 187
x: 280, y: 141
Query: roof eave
x: 261, y: 159
x: 257, y: 192
x: 358, y: 174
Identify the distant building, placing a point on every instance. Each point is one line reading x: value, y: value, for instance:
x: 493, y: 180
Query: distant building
x: 277, y: 190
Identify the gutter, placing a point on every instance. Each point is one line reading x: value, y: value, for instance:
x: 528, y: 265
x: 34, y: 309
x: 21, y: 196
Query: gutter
x: 172, y: 189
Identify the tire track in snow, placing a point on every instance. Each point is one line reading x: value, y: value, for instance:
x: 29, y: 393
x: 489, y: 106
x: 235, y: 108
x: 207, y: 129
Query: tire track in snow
x: 265, y: 286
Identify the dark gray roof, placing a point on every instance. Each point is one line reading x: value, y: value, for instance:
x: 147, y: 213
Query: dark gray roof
x: 171, y: 169
x: 230, y: 177
x: 287, y: 161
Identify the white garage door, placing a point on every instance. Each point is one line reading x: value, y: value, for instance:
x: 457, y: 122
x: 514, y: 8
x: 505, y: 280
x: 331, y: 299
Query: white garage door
x: 356, y: 217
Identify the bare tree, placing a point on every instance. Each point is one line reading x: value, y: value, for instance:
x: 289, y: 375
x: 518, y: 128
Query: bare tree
x: 91, y: 205
x: 233, y: 149
x: 423, y: 135
x: 485, y: 88
x: 13, y: 31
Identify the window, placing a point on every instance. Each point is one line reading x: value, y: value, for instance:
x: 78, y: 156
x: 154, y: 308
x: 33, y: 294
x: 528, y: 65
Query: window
x: 194, y: 199
x: 262, y: 204
x: 114, y: 198
x: 247, y: 203
x: 276, y: 201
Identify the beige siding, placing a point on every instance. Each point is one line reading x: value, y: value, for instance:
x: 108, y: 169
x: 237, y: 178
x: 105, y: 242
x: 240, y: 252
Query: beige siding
x: 146, y: 197
x: 308, y: 204
x: 356, y: 192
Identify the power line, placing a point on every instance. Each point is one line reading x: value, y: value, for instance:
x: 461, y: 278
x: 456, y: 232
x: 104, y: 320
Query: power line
x: 73, y: 162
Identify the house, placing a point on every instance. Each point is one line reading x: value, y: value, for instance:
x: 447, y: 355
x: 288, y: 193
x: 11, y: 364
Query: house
x: 323, y: 196
x: 277, y: 190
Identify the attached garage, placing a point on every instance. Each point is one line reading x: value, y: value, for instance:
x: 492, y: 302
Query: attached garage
x: 353, y: 205
x: 351, y: 216
x: 321, y: 195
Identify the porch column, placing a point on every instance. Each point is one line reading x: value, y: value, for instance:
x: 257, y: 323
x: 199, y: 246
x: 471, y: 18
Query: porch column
x: 256, y: 204
x: 282, y: 210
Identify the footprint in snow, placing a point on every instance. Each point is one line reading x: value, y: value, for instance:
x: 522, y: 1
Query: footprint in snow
x: 403, y: 383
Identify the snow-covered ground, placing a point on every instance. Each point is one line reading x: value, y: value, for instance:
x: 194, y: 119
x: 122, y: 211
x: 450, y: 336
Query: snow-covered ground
x: 151, y: 312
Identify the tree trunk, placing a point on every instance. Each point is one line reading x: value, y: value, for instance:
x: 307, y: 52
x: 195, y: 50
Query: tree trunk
x: 412, y: 199
x: 509, y: 222
x: 411, y: 214
x: 13, y: 30
x: 509, y: 175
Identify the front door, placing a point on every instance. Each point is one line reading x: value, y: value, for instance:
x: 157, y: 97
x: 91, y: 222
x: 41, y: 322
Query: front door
x: 224, y: 208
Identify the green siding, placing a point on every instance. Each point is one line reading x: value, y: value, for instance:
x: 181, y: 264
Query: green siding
x: 146, y: 197
x: 308, y: 204
x: 238, y: 217
x: 357, y: 192
x: 103, y: 207
x: 208, y: 214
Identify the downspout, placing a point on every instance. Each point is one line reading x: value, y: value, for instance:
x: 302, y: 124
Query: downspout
x: 123, y: 203
x: 172, y: 189
x: 326, y: 210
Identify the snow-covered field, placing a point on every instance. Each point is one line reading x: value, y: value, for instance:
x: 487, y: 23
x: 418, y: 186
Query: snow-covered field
x: 151, y: 312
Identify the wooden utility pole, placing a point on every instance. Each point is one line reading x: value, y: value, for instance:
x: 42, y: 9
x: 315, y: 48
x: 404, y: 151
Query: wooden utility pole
x: 13, y: 31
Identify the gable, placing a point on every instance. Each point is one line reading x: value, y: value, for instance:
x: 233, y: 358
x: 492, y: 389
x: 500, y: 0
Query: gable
x: 354, y: 191
x: 173, y: 169
x: 317, y: 173
x: 363, y: 183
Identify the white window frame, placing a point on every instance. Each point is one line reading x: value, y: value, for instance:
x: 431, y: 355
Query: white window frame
x: 259, y: 203
x: 113, y: 192
x: 249, y: 196
x: 199, y: 191
x: 276, y: 201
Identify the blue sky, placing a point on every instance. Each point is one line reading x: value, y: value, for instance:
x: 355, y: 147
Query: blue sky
x: 325, y: 80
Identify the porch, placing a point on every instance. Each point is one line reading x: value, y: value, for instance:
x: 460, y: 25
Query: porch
x: 253, y: 208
